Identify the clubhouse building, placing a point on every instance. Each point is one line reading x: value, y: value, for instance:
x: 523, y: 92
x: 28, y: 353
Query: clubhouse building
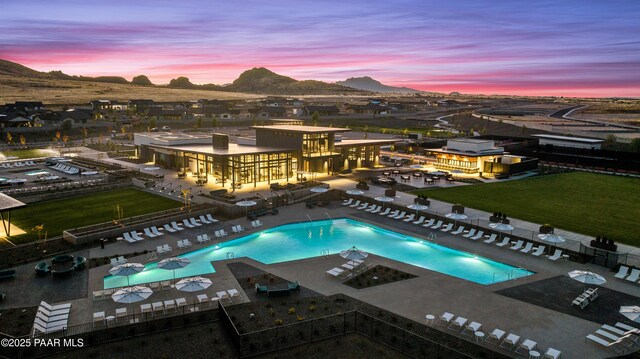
x: 278, y: 152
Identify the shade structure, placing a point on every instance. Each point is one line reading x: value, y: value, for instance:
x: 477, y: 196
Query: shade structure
x: 130, y: 295
x: 126, y: 269
x: 551, y: 238
x: 246, y: 204
x: 354, y: 253
x: 418, y: 207
x: 632, y: 312
x: 457, y: 216
x: 384, y: 199
x: 193, y: 284
x: 355, y: 192
x: 319, y: 189
x: 173, y: 263
x: 152, y: 168
x: 501, y: 226
x: 17, y: 180
x: 587, y: 277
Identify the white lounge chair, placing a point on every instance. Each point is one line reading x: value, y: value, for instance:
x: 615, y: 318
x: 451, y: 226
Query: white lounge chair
x: 167, y: 248
x: 622, y: 272
x: 114, y: 262
x: 157, y: 307
x: 526, y: 346
x: 471, y: 328
x: 169, y: 229
x: 377, y: 209
x: 537, y: 252
x: 156, y: 231
x: 446, y: 317
x: 169, y: 304
x: 335, y: 272
x: 517, y: 245
x: 223, y: 295
x: 511, y: 340
x: 237, y: 229
x: 210, y: 218
x: 447, y: 228
x: 409, y: 218
x: 145, y: 308
x: 495, y: 336
x: 420, y: 220
x: 187, y: 224
x: 437, y: 225
x: 556, y: 255
x: 477, y: 236
x: 470, y: 234
x: 194, y: 222
x: 527, y: 247
x: 429, y: 223
x: 147, y: 232
x: 363, y: 206
x: 552, y: 354
x: 121, y: 312
x: 136, y: 236
x: 371, y: 208
x: 204, y: 220
x: 160, y: 250
x: 457, y: 324
x: 127, y: 237
x: 505, y: 242
x: 203, y: 238
x: 98, y: 317
x: 122, y: 260
x: 355, y: 204
x: 347, y: 202
x: 491, y: 239
x: 635, y: 274
x: 459, y: 230
x: 393, y: 214
x: 234, y: 294
x: 400, y: 215
x: 181, y: 302
x: 385, y: 212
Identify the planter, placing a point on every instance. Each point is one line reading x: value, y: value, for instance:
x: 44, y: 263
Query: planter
x: 498, y: 220
x: 605, y: 246
x: 456, y: 208
x: 545, y: 229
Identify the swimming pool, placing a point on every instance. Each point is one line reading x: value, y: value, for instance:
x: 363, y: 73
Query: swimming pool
x: 310, y: 239
x: 37, y: 173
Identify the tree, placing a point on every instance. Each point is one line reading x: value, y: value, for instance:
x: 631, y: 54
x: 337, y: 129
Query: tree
x: 314, y: 118
x: 199, y: 122
x: 9, y: 138
x: 23, y: 140
x: 67, y: 125
x: 634, y: 145
x: 610, y: 141
x: 214, y: 122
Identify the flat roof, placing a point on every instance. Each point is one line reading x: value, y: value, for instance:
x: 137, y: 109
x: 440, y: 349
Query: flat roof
x: 469, y: 140
x: 301, y: 128
x: 570, y: 139
x: 364, y: 142
x: 234, y: 149
x: 8, y: 203
x: 492, y: 152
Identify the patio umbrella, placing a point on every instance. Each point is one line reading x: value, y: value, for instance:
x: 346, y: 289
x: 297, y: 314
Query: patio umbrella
x: 551, y: 238
x: 319, y: 190
x: 152, y: 168
x: 384, y: 199
x: 502, y: 227
x: 457, y: 216
x: 130, y: 295
x: 126, y: 269
x: 173, y: 263
x: 354, y: 253
x: 631, y: 312
x: 355, y: 192
x: 418, y: 207
x: 587, y: 277
x: 246, y: 204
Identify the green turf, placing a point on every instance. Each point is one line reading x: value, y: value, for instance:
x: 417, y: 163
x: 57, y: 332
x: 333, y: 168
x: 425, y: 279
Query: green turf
x: 86, y: 210
x: 587, y: 203
x: 21, y: 154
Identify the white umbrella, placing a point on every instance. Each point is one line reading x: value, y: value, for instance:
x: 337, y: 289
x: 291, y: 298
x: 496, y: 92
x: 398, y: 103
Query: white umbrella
x: 131, y: 295
x: 587, y: 277
x: 173, y: 263
x: 246, y: 204
x: 457, y: 216
x: 354, y: 253
x: 418, y: 207
x: 384, y: 199
x: 126, y: 269
x: 551, y: 238
x: 631, y: 312
x: 319, y: 189
x: 193, y: 284
x: 355, y: 192
x: 501, y: 226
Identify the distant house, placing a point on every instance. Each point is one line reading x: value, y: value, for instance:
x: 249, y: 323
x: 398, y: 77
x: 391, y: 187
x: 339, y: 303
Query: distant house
x: 271, y: 112
x: 15, y: 119
x: 368, y: 109
x: 162, y: 114
x: 98, y: 105
x: 321, y: 110
x: 29, y: 105
x: 119, y: 105
x: 46, y: 118
x: 76, y: 116
x: 140, y: 105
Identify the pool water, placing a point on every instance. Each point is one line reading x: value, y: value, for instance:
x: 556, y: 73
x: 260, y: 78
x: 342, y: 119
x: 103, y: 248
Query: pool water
x: 36, y: 173
x: 311, y: 239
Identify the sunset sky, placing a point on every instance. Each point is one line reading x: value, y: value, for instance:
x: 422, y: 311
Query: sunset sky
x: 563, y: 48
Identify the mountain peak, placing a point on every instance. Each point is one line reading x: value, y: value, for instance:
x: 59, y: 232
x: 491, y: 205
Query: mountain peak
x: 367, y: 83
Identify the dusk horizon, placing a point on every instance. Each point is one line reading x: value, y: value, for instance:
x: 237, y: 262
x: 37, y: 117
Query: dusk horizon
x: 542, y: 49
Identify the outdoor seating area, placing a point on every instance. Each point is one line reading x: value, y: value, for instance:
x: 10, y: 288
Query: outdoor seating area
x: 18, y: 164
x: 51, y: 318
x: 585, y: 298
x: 278, y: 290
x: 348, y: 269
x: 619, y: 338
x: 70, y: 170
x: 173, y: 227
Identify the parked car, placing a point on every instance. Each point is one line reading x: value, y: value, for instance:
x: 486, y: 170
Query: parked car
x: 384, y: 180
x: 166, y: 128
x: 155, y: 129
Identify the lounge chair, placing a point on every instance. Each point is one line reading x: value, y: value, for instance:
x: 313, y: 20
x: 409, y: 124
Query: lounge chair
x: 471, y: 328
x: 136, y: 236
x: 223, y: 295
x: 53, y: 318
x: 355, y: 204
x: 259, y: 223
x: 233, y: 293
x: 371, y: 208
x: 622, y: 272
x: 127, y: 237
x: 194, y: 222
x: 446, y: 317
x: 635, y: 274
x: 505, y: 242
x: 223, y: 233
x: 527, y: 345
x: 495, y: 336
x: 552, y: 354
x: 477, y: 236
x: 187, y: 223
x: 459, y: 230
x: 167, y: 248
x: 385, y: 212
x: 517, y: 245
x: 400, y: 215
x: 176, y: 226
x: 527, y: 248
x: 147, y: 232
x: 202, y: 239
x: 157, y: 306
x: 114, y: 262
x: 437, y: 225
x: 181, y: 302
x: 210, y: 218
x: 97, y: 294
x: 556, y: 255
x: 168, y: 228
x: 511, y: 340
x: 429, y: 223
x: 625, y: 326
x: 160, y: 250
x: 335, y: 272
x: 491, y: 239
x: 458, y: 324
x: 156, y: 231
x: 377, y: 209
x: 409, y: 218
x: 447, y: 228
x: 537, y: 252
x: 98, y: 317
x: 169, y: 304
x: 393, y: 214
x: 363, y: 206
x: 53, y: 307
x: 470, y: 234
x: 615, y: 345
x: 237, y: 229
x: 145, y: 308
x: 121, y: 312
x: 420, y: 220
x: 347, y: 202
x: 204, y: 220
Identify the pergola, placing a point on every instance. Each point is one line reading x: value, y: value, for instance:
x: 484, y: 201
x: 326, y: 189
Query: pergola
x: 7, y: 204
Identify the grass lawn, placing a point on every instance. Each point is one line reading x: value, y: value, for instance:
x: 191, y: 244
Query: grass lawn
x: 32, y: 153
x: 588, y: 203
x: 82, y: 211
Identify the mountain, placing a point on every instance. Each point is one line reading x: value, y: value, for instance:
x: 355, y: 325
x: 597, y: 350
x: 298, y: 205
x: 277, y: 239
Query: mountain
x: 366, y: 83
x: 262, y: 80
x: 13, y: 69
x: 141, y: 80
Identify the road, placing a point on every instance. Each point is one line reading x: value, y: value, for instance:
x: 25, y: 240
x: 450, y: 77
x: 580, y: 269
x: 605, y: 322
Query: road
x: 565, y: 112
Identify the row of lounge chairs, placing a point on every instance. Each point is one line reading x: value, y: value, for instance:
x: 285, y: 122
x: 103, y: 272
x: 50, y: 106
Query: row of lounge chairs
x: 164, y: 249
x: 70, y: 170
x: 17, y: 164
x: 585, y: 298
x: 347, y: 269
x: 618, y: 338
x: 153, y: 231
x: 623, y: 273
x: 51, y: 318
x: 155, y: 286
x: 118, y: 260
x: 496, y: 337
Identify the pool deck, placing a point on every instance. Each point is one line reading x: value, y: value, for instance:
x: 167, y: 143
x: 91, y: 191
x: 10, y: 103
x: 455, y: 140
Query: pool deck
x: 429, y: 293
